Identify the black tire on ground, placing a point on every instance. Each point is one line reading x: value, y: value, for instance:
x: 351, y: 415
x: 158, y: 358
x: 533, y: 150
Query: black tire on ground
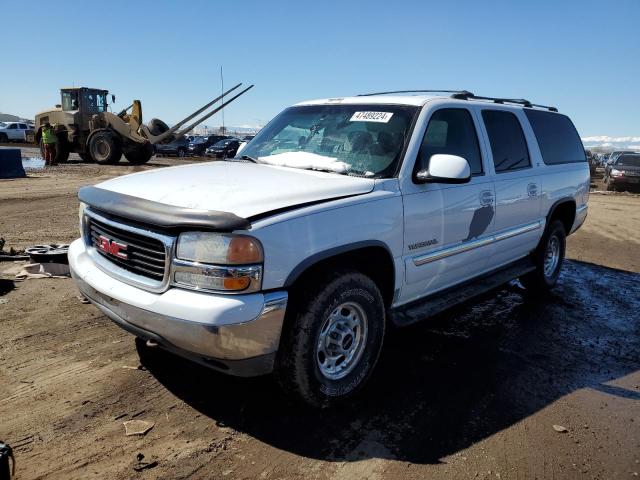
x: 310, y: 338
x: 62, y: 153
x: 552, y: 246
x: 4, y: 138
x: 608, y: 184
x: 157, y: 126
x: 85, y: 157
x: 104, y: 148
x: 139, y: 155
x: 181, y: 152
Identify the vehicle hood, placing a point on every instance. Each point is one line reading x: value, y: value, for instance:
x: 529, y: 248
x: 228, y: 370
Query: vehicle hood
x: 242, y: 188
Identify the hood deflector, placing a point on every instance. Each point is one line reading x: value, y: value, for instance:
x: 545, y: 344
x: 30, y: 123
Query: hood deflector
x: 160, y: 215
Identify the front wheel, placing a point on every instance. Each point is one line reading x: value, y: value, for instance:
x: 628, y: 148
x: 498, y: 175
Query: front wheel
x: 332, y: 339
x: 139, y: 155
x: 548, y: 259
x: 104, y: 149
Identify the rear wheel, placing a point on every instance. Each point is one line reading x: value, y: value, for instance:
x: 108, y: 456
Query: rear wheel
x: 104, y: 149
x: 548, y: 259
x: 4, y: 138
x: 139, y: 155
x: 332, y: 339
x: 181, y: 152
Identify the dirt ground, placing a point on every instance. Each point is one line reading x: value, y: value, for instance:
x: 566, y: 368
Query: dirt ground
x: 473, y: 393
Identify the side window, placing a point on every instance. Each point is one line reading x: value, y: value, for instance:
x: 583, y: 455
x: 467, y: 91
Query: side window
x: 558, y: 139
x: 23, y: 126
x: 451, y: 131
x: 13, y: 126
x: 508, y: 145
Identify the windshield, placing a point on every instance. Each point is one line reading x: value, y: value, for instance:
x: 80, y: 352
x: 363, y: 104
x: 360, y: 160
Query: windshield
x: 629, y: 161
x: 70, y: 100
x: 198, y: 140
x: 94, y: 102
x: 357, y: 139
x: 223, y: 143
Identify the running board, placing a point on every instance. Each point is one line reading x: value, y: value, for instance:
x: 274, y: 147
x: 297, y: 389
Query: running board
x: 441, y: 301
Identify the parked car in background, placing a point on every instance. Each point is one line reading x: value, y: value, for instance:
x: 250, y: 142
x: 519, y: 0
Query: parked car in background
x: 224, y: 148
x: 15, y: 132
x: 614, y: 155
x: 248, y: 138
x: 199, y: 145
x: 178, y: 147
x: 623, y: 172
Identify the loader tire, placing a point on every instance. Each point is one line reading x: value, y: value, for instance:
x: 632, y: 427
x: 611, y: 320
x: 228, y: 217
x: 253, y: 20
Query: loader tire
x: 139, y: 155
x: 104, y: 149
x: 157, y: 127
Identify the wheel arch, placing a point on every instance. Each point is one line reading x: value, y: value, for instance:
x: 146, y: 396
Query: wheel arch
x: 371, y: 257
x: 564, y: 210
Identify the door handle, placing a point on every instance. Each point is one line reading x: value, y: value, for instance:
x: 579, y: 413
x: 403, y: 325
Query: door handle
x: 532, y: 189
x: 486, y: 198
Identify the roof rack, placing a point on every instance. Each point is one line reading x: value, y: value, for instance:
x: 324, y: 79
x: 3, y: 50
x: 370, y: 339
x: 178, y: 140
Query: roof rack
x: 516, y: 101
x: 456, y: 92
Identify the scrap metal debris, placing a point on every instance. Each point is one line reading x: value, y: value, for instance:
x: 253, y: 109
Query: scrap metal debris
x: 560, y: 429
x: 140, y: 465
x: 137, y: 427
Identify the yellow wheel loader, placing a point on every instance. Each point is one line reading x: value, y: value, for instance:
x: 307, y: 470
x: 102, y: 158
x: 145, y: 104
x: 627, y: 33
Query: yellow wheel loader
x: 85, y: 126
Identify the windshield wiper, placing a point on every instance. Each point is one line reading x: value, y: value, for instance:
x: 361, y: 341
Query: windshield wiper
x: 247, y: 158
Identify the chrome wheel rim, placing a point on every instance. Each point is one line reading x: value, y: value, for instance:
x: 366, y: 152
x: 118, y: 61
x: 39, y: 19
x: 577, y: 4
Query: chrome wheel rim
x: 341, y: 341
x: 552, y: 256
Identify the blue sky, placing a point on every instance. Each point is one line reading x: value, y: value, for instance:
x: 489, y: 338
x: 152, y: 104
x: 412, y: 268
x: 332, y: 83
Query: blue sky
x: 582, y: 56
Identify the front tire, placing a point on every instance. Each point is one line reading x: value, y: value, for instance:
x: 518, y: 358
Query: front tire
x: 548, y: 259
x: 332, y: 339
x: 104, y: 149
x: 140, y: 155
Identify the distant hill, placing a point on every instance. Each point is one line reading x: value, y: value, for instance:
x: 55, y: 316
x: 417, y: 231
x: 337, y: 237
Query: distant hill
x: 5, y: 117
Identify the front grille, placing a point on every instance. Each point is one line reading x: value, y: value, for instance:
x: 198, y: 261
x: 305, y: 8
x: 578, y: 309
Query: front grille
x: 146, y: 255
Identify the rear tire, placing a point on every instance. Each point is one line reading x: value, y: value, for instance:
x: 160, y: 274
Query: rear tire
x: 139, y: 155
x: 182, y: 152
x: 104, y: 149
x: 332, y: 339
x: 548, y: 258
x: 4, y: 138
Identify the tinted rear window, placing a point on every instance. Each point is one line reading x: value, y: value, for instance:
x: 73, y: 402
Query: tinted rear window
x: 558, y: 139
x: 629, y: 160
x: 508, y: 145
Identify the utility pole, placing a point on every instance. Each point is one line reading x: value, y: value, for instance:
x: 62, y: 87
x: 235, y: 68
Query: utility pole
x: 222, y: 89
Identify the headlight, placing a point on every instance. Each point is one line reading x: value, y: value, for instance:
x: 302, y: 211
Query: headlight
x: 81, y: 218
x: 219, y: 262
x: 616, y: 173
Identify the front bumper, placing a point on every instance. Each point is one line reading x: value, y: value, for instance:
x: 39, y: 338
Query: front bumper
x: 237, y: 334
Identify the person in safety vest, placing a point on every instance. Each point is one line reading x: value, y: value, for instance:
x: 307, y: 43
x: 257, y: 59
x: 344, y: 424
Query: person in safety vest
x: 49, y: 140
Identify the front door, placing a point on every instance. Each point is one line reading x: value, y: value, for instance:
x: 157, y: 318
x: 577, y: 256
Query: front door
x: 447, y: 225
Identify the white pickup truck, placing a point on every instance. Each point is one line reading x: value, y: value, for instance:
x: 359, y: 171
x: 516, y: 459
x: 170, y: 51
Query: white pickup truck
x: 340, y: 217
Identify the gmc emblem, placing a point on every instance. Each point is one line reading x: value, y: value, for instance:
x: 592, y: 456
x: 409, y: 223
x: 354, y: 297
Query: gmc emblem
x: 112, y: 247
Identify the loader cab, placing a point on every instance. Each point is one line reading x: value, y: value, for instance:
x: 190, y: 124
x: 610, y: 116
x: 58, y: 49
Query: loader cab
x: 85, y: 100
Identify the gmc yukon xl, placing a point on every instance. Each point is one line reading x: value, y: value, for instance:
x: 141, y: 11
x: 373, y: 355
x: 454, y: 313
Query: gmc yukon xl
x: 341, y: 217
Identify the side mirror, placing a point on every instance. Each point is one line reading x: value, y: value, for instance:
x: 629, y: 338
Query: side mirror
x: 445, y: 169
x: 58, y: 105
x: 113, y: 98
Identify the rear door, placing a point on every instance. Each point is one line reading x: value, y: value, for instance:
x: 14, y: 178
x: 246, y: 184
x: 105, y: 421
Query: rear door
x: 517, y: 185
x: 447, y: 225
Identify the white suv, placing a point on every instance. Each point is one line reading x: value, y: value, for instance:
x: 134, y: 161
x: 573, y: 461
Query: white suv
x: 341, y: 216
x: 14, y: 131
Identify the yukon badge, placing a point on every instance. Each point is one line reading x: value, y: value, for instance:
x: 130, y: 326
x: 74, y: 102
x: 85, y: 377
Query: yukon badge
x: 426, y: 243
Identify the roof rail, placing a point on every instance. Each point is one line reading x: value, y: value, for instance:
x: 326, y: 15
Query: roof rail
x: 516, y: 101
x: 456, y: 92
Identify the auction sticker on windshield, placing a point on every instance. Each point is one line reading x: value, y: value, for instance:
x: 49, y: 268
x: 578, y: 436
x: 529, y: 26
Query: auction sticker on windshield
x: 380, y: 117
